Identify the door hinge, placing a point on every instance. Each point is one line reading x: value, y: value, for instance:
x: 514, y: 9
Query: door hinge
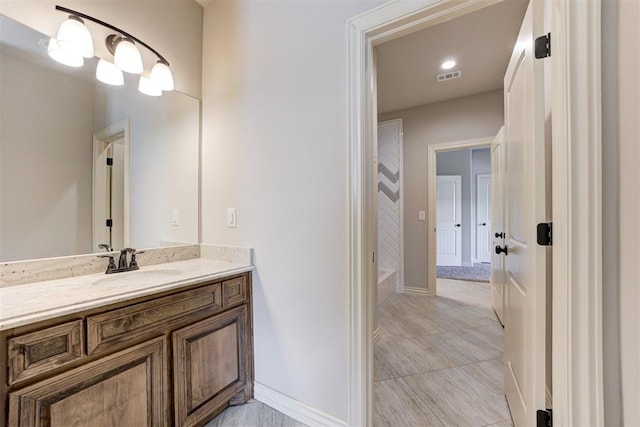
x: 109, y: 161
x: 543, y: 46
x: 545, y: 237
x: 109, y: 223
x: 544, y: 418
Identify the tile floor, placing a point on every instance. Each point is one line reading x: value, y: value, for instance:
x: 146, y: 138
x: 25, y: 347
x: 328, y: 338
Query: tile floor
x: 438, y: 362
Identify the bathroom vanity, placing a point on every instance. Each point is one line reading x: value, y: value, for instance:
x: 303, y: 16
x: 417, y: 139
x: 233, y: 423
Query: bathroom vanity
x: 168, y: 345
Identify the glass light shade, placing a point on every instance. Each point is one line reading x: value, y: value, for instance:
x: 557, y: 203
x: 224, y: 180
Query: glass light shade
x: 108, y: 73
x: 161, y: 76
x: 74, y: 37
x: 127, y: 57
x: 63, y: 56
x: 148, y: 87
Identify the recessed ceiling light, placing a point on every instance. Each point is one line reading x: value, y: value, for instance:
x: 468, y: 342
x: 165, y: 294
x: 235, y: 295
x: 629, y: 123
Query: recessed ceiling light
x: 447, y: 65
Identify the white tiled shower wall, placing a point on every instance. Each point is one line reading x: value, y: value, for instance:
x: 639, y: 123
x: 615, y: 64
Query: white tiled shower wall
x: 389, y: 197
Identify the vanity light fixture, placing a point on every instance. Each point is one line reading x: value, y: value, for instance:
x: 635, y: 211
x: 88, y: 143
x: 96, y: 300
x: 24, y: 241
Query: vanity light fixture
x: 63, y: 56
x: 108, y: 73
x: 74, y: 39
x: 126, y: 55
x: 149, y: 87
x: 161, y: 75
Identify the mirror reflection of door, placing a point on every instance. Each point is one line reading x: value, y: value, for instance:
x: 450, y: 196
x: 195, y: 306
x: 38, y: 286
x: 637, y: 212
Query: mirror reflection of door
x: 109, y: 177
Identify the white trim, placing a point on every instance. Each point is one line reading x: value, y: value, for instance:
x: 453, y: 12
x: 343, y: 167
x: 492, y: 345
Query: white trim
x: 432, y: 151
x: 577, y: 213
x: 294, y: 408
x: 412, y: 290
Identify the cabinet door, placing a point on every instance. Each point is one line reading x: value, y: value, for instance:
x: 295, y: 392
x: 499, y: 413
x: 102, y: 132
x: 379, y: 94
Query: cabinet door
x: 123, y: 389
x: 210, y: 365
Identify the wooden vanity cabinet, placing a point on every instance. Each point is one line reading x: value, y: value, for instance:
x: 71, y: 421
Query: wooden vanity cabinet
x: 172, y: 359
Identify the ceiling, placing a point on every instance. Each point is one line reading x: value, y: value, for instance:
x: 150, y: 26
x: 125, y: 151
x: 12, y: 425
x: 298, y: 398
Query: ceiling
x: 480, y: 42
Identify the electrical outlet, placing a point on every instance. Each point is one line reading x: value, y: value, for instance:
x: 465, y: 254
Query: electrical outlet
x: 231, y: 218
x: 422, y: 216
x: 175, y: 217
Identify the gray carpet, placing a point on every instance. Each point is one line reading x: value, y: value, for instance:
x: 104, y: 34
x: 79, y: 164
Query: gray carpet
x: 477, y: 273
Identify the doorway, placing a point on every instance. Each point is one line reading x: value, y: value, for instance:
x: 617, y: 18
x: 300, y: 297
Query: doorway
x: 577, y: 31
x: 111, y: 186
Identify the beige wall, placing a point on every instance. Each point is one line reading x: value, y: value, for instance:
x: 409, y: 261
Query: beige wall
x: 172, y: 27
x: 275, y: 147
x: 50, y: 216
x: 470, y: 117
x: 621, y: 210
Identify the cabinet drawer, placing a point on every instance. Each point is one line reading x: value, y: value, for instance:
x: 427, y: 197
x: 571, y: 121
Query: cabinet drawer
x: 38, y: 352
x: 234, y: 291
x: 110, y: 329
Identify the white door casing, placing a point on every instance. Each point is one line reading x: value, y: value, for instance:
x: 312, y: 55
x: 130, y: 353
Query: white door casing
x: 524, y: 308
x: 449, y: 220
x: 497, y: 224
x: 483, y: 218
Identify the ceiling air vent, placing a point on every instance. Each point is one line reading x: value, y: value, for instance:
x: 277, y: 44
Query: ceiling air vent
x: 449, y: 76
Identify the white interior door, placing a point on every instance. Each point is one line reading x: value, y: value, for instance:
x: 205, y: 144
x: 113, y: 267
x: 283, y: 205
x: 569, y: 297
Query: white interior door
x: 497, y: 224
x: 524, y: 310
x: 483, y: 218
x: 449, y: 220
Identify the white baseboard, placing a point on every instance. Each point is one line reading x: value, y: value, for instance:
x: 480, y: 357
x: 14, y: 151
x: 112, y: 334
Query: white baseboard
x: 413, y: 290
x: 376, y: 334
x: 467, y: 264
x: 295, y: 409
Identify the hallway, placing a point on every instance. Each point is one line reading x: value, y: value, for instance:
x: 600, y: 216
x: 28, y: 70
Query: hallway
x: 438, y: 361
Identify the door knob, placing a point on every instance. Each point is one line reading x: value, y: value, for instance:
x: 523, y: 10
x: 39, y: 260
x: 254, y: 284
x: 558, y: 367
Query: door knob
x: 457, y: 225
x: 499, y: 250
x: 500, y: 236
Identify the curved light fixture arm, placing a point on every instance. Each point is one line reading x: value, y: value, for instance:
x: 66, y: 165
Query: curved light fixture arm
x: 114, y: 28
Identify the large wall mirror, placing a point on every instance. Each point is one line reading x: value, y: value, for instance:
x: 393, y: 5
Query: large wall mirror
x: 58, y: 128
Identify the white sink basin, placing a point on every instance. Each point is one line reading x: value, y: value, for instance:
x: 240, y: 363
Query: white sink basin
x: 139, y: 277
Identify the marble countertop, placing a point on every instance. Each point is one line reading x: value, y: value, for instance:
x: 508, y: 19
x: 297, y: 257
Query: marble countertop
x: 34, y: 302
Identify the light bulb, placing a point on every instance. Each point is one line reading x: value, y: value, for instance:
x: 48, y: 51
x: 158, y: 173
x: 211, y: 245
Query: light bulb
x: 63, y: 56
x: 161, y: 76
x: 148, y: 87
x: 74, y: 37
x: 127, y: 57
x: 108, y: 73
x: 447, y: 65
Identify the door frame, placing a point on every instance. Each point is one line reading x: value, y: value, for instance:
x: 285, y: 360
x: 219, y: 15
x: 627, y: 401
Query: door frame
x: 576, y: 195
x: 432, y: 154
x: 474, y: 211
x: 102, y: 138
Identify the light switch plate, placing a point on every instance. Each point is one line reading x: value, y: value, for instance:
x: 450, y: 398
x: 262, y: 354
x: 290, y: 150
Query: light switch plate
x: 175, y: 217
x: 231, y: 218
x: 422, y: 216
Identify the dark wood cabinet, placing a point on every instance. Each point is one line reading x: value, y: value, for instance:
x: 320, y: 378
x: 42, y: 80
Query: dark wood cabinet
x: 174, y: 359
x: 209, y: 364
x: 124, y: 389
